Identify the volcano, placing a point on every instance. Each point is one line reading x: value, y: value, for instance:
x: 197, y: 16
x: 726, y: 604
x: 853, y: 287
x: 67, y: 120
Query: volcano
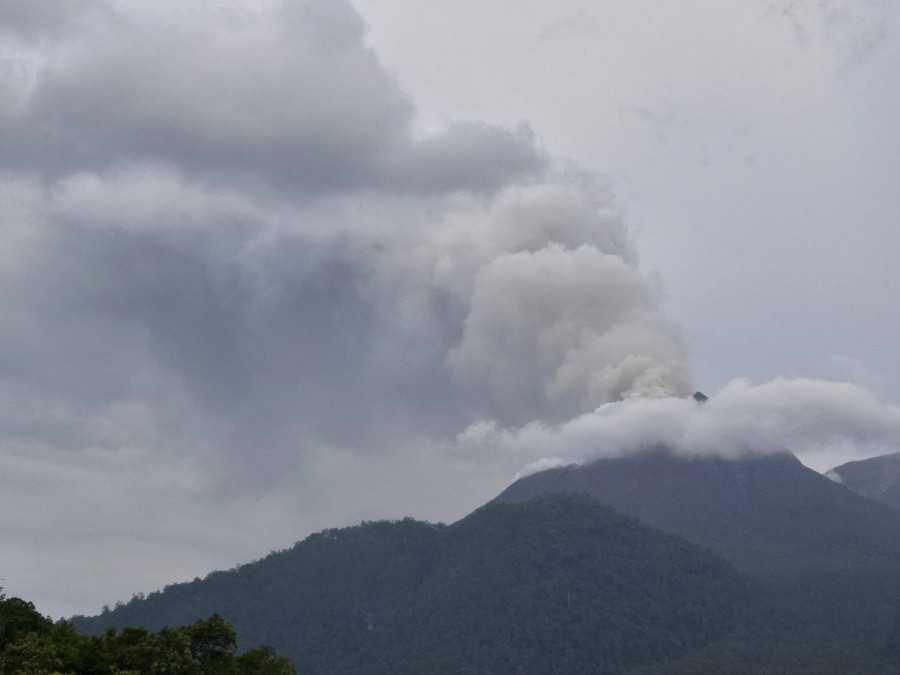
x: 764, y: 513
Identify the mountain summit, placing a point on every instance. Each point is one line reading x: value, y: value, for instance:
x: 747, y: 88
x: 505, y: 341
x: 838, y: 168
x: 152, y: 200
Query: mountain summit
x: 765, y: 513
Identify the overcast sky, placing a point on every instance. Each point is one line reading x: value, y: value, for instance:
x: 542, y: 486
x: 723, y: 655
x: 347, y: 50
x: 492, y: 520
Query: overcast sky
x: 270, y: 267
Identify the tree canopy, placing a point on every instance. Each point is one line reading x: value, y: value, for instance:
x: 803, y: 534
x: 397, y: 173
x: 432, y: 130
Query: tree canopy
x: 561, y: 584
x: 31, y: 644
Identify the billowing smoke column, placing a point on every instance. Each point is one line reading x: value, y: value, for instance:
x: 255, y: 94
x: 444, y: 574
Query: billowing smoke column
x: 255, y: 258
x: 287, y: 266
x: 557, y: 317
x: 522, y: 305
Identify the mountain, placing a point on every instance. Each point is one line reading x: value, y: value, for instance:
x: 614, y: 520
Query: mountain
x: 823, y: 562
x: 877, y: 478
x: 764, y: 513
x: 649, y: 564
x: 557, y: 584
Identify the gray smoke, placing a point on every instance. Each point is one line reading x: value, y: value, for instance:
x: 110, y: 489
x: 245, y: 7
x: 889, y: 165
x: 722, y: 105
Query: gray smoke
x: 142, y: 300
x: 240, y: 284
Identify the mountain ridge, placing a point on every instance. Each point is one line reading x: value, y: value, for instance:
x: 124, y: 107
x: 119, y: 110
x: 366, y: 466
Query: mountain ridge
x: 764, y: 513
x: 558, y: 584
x: 650, y: 563
x: 877, y: 478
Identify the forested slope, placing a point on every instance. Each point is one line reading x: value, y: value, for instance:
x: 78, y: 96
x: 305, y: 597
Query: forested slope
x: 766, y: 514
x: 559, y: 584
x: 823, y: 562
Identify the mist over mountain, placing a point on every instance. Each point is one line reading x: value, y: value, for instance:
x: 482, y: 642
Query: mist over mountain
x: 815, y: 418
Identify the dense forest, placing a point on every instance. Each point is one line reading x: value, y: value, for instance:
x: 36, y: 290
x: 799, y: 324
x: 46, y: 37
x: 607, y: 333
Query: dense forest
x: 31, y: 644
x: 766, y: 514
x: 822, y: 562
x: 560, y: 584
x: 547, y: 580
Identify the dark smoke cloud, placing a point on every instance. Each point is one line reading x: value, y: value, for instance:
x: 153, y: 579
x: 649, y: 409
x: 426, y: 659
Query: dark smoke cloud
x: 290, y: 96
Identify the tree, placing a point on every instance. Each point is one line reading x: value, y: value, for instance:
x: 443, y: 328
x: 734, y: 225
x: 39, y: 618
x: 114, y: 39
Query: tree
x: 34, y: 654
x: 213, y: 640
x: 263, y: 661
x: 30, y: 644
x: 18, y: 617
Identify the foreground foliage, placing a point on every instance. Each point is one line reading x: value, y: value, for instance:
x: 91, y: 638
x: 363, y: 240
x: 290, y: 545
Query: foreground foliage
x: 31, y: 644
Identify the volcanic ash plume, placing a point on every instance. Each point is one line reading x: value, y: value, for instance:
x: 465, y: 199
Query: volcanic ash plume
x: 822, y: 421
x: 278, y: 263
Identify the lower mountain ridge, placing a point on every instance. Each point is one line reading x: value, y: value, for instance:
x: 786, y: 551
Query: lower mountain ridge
x: 560, y: 584
x: 650, y: 564
x: 877, y: 478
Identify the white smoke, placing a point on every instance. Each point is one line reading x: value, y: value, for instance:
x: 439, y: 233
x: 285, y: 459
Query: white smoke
x: 560, y: 331
x: 819, y: 420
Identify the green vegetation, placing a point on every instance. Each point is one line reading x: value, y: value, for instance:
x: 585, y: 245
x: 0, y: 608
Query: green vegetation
x: 545, y: 581
x: 560, y: 584
x: 767, y: 515
x: 541, y: 581
x: 821, y: 562
x: 30, y: 644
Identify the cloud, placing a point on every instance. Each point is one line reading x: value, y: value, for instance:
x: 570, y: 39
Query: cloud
x: 817, y: 419
x: 578, y: 24
x: 35, y: 20
x: 240, y: 284
x: 853, y: 30
x: 287, y: 94
x: 246, y: 323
